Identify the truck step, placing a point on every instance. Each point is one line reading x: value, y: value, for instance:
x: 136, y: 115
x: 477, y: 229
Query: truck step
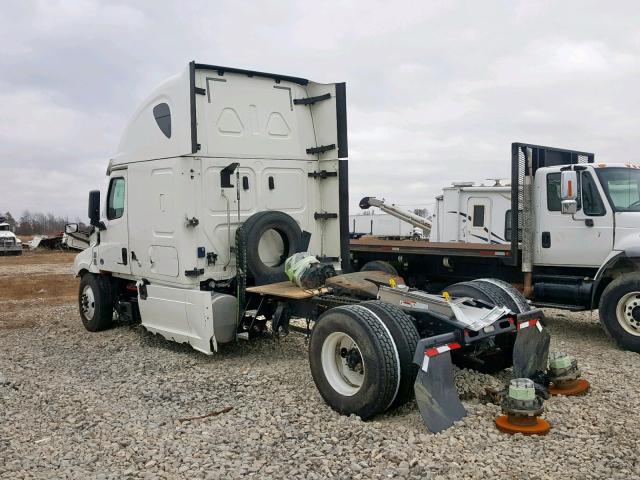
x: 561, y: 306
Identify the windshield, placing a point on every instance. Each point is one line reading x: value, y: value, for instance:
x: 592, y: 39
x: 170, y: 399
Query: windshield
x: 4, y: 227
x: 622, y: 186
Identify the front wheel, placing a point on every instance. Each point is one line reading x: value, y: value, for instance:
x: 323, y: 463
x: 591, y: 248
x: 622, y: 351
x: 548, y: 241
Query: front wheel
x: 620, y: 311
x: 95, y: 302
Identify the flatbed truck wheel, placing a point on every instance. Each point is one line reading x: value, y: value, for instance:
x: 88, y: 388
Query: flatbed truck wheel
x: 405, y: 336
x: 516, y: 301
x: 620, y: 311
x: 492, y: 292
x: 95, y: 302
x: 379, y: 266
x: 354, y: 361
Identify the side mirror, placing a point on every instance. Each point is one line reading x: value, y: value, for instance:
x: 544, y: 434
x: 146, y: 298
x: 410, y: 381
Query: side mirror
x: 94, y: 209
x: 569, y: 185
x: 71, y: 228
x: 569, y: 191
x: 569, y: 207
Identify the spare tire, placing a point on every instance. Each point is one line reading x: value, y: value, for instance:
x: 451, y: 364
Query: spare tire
x: 255, y: 228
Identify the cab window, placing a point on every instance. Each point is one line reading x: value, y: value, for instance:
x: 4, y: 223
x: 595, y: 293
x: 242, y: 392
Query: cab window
x: 554, y: 202
x: 507, y: 225
x: 115, y: 198
x: 622, y: 187
x: 591, y: 202
x: 553, y: 192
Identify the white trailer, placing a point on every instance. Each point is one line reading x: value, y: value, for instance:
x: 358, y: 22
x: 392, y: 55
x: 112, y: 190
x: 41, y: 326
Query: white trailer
x: 470, y: 213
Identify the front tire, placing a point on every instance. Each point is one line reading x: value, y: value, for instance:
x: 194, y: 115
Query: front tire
x: 620, y: 311
x: 95, y: 302
x: 354, y: 361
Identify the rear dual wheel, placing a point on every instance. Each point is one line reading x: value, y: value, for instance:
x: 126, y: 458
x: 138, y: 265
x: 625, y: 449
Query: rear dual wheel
x: 361, y: 358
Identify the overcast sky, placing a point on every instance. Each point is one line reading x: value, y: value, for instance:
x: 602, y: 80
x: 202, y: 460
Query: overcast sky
x: 436, y: 91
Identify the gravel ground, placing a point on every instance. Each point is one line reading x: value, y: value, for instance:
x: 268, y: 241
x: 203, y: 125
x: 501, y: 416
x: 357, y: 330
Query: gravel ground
x: 120, y: 404
x: 115, y: 405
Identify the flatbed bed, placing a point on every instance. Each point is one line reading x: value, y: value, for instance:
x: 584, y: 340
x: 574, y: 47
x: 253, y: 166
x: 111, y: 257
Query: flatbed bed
x: 424, y: 247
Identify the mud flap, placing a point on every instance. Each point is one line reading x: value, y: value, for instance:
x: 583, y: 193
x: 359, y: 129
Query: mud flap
x: 531, y: 349
x: 435, y: 391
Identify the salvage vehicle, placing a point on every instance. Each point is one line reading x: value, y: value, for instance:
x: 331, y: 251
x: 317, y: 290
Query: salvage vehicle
x: 565, y: 231
x: 221, y: 176
x: 9, y: 243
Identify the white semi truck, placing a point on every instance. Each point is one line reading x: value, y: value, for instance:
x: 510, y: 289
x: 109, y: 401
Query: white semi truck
x: 565, y: 230
x: 223, y: 174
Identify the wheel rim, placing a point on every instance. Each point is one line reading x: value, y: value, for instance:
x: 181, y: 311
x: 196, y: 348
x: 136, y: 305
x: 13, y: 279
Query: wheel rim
x: 272, y: 248
x: 87, y: 302
x: 628, y: 313
x: 342, y: 364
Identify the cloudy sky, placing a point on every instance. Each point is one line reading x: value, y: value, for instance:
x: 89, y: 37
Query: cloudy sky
x: 436, y: 91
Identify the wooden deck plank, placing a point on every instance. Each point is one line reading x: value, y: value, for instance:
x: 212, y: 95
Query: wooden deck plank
x: 286, y: 290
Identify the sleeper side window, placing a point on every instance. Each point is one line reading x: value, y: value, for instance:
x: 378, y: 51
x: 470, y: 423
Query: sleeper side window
x: 478, y: 215
x: 115, y: 198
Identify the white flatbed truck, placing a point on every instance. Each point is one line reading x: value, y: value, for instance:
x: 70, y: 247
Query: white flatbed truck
x: 565, y: 231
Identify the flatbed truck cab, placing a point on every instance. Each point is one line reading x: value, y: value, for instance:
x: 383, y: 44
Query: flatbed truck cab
x: 565, y: 231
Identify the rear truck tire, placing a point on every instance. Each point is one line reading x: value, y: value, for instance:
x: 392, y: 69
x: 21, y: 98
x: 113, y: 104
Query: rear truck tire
x: 405, y: 336
x: 354, y: 361
x: 494, y: 294
x: 620, y: 311
x: 379, y: 266
x: 255, y: 227
x: 95, y: 302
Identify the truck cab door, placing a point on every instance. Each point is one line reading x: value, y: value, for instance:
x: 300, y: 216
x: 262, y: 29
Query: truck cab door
x: 583, y: 239
x: 113, y: 250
